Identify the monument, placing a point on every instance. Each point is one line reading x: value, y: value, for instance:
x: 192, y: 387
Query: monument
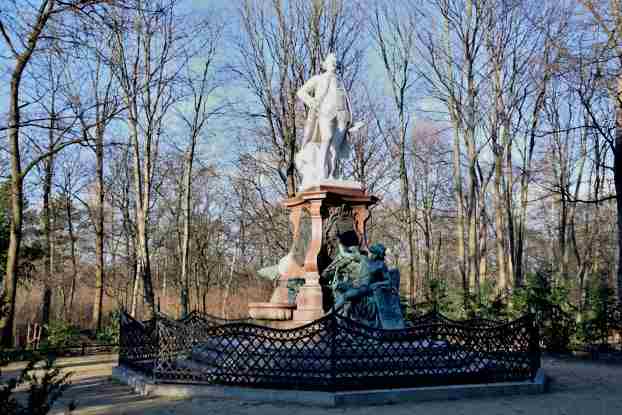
x: 346, y: 341
x: 326, y: 205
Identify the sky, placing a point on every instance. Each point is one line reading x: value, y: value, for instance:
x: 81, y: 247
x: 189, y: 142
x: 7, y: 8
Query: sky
x: 218, y: 146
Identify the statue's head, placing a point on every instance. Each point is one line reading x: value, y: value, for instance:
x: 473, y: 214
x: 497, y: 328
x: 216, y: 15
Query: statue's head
x: 377, y: 251
x: 330, y: 62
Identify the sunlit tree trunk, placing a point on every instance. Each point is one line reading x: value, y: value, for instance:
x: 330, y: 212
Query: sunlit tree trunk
x: 9, y: 282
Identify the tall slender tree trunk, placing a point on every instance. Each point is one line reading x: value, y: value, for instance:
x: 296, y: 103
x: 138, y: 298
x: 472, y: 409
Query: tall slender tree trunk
x: 135, y: 291
x: 617, y: 168
x: 99, y: 228
x: 142, y: 184
x: 9, y: 289
x: 509, y: 206
x: 518, y: 240
x: 457, y: 181
x: 406, y: 210
x: 498, y: 115
x: 48, y: 166
x: 472, y: 206
x: 46, y: 302
x: 227, y: 293
x: 457, y: 168
x: 74, y: 262
x: 185, y: 244
x: 9, y: 282
x: 502, y: 277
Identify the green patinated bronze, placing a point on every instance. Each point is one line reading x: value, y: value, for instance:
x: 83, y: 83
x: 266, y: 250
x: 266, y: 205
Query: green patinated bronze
x: 364, y: 288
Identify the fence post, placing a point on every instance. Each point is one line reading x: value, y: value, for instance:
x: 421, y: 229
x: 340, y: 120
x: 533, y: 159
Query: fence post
x: 333, y: 357
x: 156, y: 345
x: 121, y: 336
x: 534, y: 344
x: 605, y: 328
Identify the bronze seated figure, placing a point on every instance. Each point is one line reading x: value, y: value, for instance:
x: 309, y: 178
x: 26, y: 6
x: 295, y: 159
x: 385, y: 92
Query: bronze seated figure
x: 363, y: 287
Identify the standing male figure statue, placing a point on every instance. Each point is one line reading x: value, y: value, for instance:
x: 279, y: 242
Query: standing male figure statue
x: 324, y: 144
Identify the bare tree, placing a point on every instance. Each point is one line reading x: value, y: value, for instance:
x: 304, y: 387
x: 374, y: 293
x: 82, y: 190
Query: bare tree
x: 393, y: 30
x: 452, y: 73
x: 95, y: 104
x: 607, y: 18
x: 144, y: 61
x: 195, y: 122
x: 22, y: 36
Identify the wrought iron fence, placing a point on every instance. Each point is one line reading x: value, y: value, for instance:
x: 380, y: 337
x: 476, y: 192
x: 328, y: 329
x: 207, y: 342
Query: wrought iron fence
x: 84, y: 349
x: 558, y: 329
x: 331, y: 354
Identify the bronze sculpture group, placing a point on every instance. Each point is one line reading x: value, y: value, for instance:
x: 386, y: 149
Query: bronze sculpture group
x: 364, y: 288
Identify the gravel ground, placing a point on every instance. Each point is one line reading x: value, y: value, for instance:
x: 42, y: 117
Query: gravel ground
x: 576, y: 387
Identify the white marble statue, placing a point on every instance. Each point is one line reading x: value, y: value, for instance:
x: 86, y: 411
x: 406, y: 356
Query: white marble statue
x: 325, y: 144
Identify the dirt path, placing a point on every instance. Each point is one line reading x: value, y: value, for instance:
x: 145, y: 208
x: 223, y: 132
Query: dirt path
x: 577, y: 387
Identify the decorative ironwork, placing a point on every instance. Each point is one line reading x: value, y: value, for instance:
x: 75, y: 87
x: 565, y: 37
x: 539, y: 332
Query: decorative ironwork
x: 84, y: 349
x: 556, y: 327
x: 331, y: 354
x: 138, y: 346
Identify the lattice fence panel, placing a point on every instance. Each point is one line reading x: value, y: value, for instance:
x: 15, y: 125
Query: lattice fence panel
x: 435, y: 353
x: 333, y: 353
x: 138, y: 346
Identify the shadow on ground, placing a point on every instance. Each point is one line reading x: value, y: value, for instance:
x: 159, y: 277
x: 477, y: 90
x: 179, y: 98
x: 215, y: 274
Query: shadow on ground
x: 577, y: 388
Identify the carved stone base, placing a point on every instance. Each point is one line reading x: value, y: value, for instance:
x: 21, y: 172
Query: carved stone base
x: 309, y: 300
x: 313, y: 213
x: 270, y: 311
x: 280, y: 293
x: 339, y: 184
x: 322, y: 203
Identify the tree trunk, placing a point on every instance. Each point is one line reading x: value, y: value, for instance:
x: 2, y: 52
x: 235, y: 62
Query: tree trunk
x: 406, y: 212
x: 502, y: 278
x: 617, y: 167
x: 457, y: 179
x: 17, y: 205
x: 142, y: 186
x: 17, y: 201
x: 135, y: 286
x: 185, y: 243
x: 99, y: 229
x: 74, y: 263
x: 46, y: 303
x: 143, y: 265
x: 48, y: 167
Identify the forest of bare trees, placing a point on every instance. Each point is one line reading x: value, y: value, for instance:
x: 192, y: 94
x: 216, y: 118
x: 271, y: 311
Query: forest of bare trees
x: 146, y: 146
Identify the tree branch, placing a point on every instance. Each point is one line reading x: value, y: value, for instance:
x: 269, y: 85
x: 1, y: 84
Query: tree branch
x: 57, y: 149
x: 8, y: 40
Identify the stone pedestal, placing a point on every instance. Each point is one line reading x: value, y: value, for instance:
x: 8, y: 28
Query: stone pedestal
x: 271, y: 311
x: 314, y: 214
x: 322, y: 203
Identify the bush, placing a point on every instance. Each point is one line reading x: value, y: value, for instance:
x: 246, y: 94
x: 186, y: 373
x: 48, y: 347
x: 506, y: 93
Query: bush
x: 600, y: 300
x: 43, y: 389
x: 540, y: 293
x: 488, y: 304
x: 550, y: 304
x: 60, y: 334
x: 437, y: 298
x: 109, y: 334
